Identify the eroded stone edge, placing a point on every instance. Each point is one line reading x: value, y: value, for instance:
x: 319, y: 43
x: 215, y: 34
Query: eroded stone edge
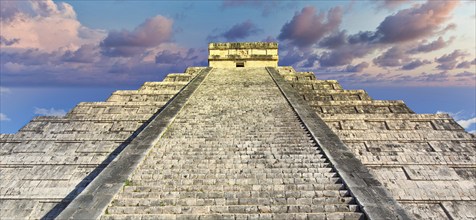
x: 375, y: 201
x: 93, y: 201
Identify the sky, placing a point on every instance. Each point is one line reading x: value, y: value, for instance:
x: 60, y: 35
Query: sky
x: 55, y: 54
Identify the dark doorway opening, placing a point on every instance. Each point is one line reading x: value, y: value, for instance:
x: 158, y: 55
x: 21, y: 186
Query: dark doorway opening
x: 240, y: 64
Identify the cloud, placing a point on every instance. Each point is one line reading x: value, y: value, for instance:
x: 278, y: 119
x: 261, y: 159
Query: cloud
x: 171, y: 57
x: 435, y: 45
x: 49, y: 8
x: 6, y: 42
x: 357, y: 68
x: 4, y: 90
x: 4, y: 117
x: 44, y: 25
x: 415, y: 64
x: 86, y: 65
x: 343, y: 55
x: 432, y: 77
x: 9, y: 9
x: 307, y: 28
x: 394, y: 56
x: 418, y: 79
x: 269, y: 39
x: 238, y: 31
x: 266, y: 7
x: 87, y: 53
x: 449, y: 61
x: 416, y: 22
x: 291, y: 56
x: 390, y: 4
x: 152, y: 32
x: 334, y: 41
x: 45, y: 45
x: 49, y: 112
x: 465, y: 74
x: 310, y: 33
x: 467, y: 123
x: 464, y: 65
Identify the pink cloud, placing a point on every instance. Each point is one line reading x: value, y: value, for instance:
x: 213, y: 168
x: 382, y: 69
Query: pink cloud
x: 45, y: 25
x: 415, y: 22
x: 306, y: 27
x: 43, y: 44
x: 152, y: 32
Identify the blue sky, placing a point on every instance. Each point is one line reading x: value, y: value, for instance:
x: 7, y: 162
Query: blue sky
x: 55, y: 54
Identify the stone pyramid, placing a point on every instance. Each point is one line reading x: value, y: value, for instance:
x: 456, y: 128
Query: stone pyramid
x: 241, y: 139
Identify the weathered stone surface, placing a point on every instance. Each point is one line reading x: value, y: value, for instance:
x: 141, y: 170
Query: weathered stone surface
x: 235, y: 149
x: 424, y: 160
x: 239, y: 148
x: 251, y: 54
x: 51, y: 159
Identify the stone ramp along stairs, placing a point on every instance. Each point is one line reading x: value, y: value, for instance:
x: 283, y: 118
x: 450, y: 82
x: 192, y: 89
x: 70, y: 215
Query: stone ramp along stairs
x: 236, y: 150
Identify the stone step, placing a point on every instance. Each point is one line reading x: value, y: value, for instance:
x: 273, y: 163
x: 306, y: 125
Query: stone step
x: 261, y: 216
x: 222, y: 176
x: 291, y: 177
x: 233, y: 185
x: 278, y: 150
x: 155, y: 180
x: 221, y: 155
x: 195, y: 167
x: 223, y: 201
x: 245, y: 209
x: 237, y: 194
x: 240, y: 142
x: 240, y: 168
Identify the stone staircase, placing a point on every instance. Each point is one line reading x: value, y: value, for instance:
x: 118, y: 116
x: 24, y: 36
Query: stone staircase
x: 236, y: 150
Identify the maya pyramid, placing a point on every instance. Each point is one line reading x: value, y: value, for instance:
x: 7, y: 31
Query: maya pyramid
x: 242, y: 138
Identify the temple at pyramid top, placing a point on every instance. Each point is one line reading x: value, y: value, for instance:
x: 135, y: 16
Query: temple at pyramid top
x: 249, y: 54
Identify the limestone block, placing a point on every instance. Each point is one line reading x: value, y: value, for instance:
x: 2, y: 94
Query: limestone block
x: 171, y: 86
x: 334, y: 109
x: 35, y: 126
x: 453, y: 146
x: 6, y: 147
x: 426, y: 211
x: 400, y: 109
x: 130, y: 126
x: 194, y: 70
x: 32, y: 147
x: 345, y: 97
x: 373, y: 109
x: 354, y: 125
x: 422, y: 172
x: 446, y: 124
x: 382, y: 146
x: 460, y: 209
x: 48, y: 172
x: 400, y: 125
x: 98, y: 146
x: 389, y: 174
x: 17, y: 209
x: 177, y: 78
x: 466, y: 173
